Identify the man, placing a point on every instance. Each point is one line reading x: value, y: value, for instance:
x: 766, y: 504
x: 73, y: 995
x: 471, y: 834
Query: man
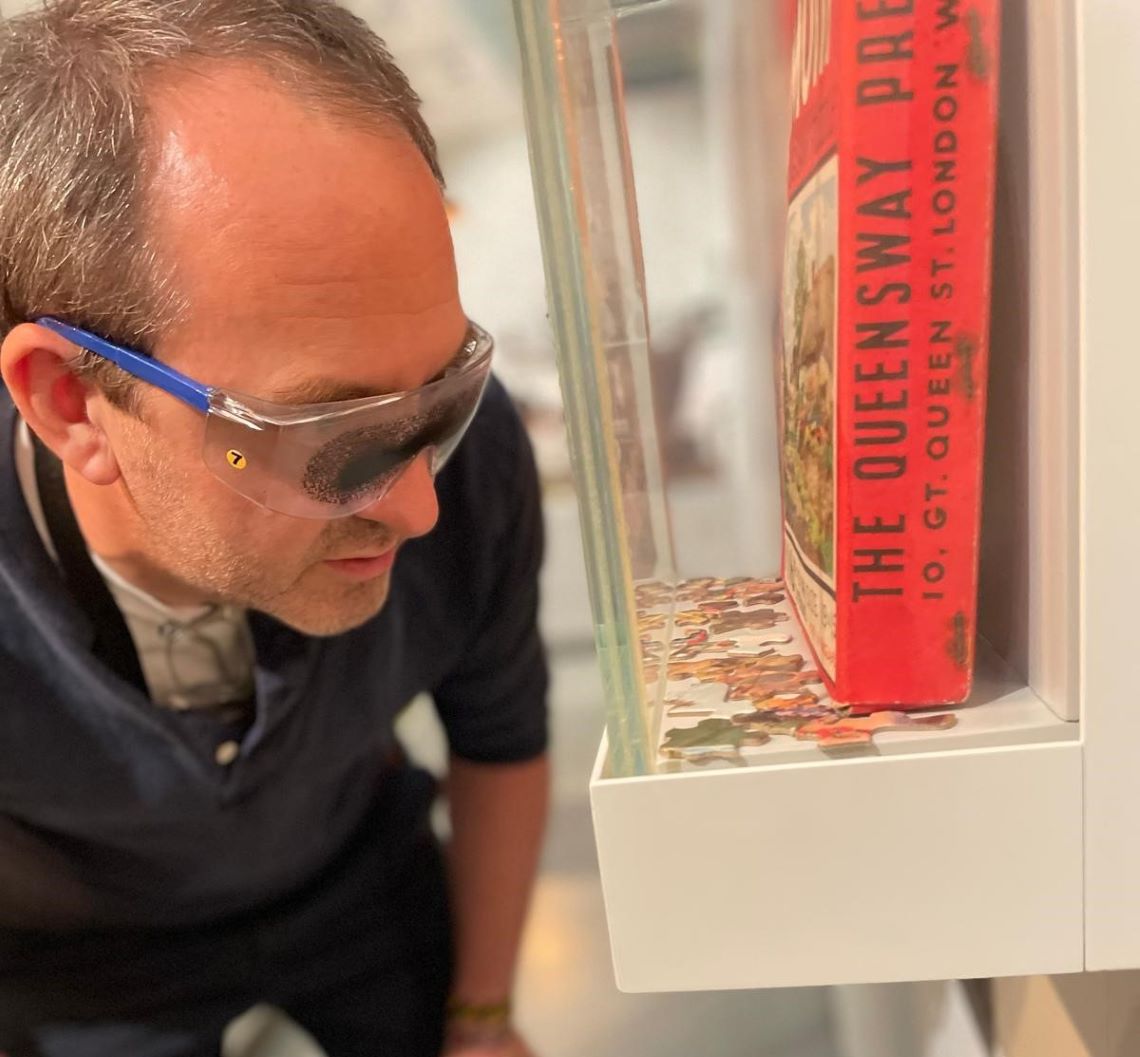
x: 235, y: 360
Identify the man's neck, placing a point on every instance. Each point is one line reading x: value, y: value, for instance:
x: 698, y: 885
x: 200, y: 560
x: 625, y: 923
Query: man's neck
x: 113, y: 531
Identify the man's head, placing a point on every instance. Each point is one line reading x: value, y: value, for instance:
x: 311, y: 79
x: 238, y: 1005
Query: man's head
x: 244, y: 189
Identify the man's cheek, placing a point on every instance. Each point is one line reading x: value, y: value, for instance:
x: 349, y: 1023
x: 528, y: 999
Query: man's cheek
x: 289, y: 546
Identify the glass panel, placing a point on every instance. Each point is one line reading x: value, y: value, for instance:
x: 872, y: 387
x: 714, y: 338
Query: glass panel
x: 588, y: 218
x: 618, y: 390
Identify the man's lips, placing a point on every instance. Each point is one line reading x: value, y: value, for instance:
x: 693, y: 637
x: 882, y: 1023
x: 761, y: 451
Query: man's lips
x: 364, y: 567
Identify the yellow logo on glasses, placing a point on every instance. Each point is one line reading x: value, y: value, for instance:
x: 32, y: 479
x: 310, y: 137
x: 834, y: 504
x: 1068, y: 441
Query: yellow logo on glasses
x: 236, y: 459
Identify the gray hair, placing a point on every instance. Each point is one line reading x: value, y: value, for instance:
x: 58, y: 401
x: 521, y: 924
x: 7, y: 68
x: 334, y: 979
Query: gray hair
x: 74, y: 154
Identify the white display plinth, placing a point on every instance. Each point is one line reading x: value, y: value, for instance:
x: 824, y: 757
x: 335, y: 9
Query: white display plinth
x: 930, y: 865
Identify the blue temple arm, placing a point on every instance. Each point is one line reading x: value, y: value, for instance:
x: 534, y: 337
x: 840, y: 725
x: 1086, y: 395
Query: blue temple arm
x: 135, y: 363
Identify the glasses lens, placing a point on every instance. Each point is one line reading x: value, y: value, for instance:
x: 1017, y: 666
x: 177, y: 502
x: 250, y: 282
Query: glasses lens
x: 354, y: 466
x: 336, y: 464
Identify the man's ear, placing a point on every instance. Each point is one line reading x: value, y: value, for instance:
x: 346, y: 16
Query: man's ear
x: 62, y: 409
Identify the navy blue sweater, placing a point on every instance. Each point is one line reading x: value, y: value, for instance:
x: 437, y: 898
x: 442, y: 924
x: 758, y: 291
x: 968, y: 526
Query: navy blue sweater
x: 114, y: 811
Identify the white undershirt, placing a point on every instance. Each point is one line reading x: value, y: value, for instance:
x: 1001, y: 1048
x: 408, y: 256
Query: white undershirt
x: 191, y: 656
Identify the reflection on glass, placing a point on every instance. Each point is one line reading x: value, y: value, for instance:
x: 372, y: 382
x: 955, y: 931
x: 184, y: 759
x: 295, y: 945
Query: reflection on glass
x: 641, y: 132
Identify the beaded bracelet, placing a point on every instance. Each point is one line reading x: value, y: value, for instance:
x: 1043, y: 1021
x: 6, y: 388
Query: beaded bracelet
x: 475, y: 1013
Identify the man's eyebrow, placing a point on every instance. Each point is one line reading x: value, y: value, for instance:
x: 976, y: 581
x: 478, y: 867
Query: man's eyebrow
x: 331, y: 391
x: 322, y: 391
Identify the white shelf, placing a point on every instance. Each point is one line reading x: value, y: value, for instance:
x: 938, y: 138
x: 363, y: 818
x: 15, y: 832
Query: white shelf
x: 932, y: 865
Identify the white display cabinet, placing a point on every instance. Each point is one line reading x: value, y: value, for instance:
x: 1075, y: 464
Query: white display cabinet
x: 1003, y: 846
x: 1106, y: 85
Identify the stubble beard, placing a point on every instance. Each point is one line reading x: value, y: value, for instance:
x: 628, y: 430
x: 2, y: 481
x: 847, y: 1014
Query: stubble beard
x: 301, y: 593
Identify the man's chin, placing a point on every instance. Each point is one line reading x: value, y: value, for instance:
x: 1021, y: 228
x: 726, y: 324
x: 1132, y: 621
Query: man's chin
x: 328, y: 614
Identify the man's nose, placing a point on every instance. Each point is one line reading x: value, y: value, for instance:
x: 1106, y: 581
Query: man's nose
x: 410, y: 507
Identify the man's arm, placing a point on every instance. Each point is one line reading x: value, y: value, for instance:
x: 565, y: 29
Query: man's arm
x: 498, y: 814
x: 493, y: 706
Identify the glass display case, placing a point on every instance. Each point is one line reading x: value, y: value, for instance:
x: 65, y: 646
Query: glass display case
x: 705, y: 663
x: 957, y: 843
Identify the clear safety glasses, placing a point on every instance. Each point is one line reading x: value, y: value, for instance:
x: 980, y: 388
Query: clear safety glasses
x: 317, y: 460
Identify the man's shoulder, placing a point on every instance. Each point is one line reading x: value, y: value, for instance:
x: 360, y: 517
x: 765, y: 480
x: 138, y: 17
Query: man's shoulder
x: 488, y: 488
x: 492, y: 472
x: 496, y: 428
